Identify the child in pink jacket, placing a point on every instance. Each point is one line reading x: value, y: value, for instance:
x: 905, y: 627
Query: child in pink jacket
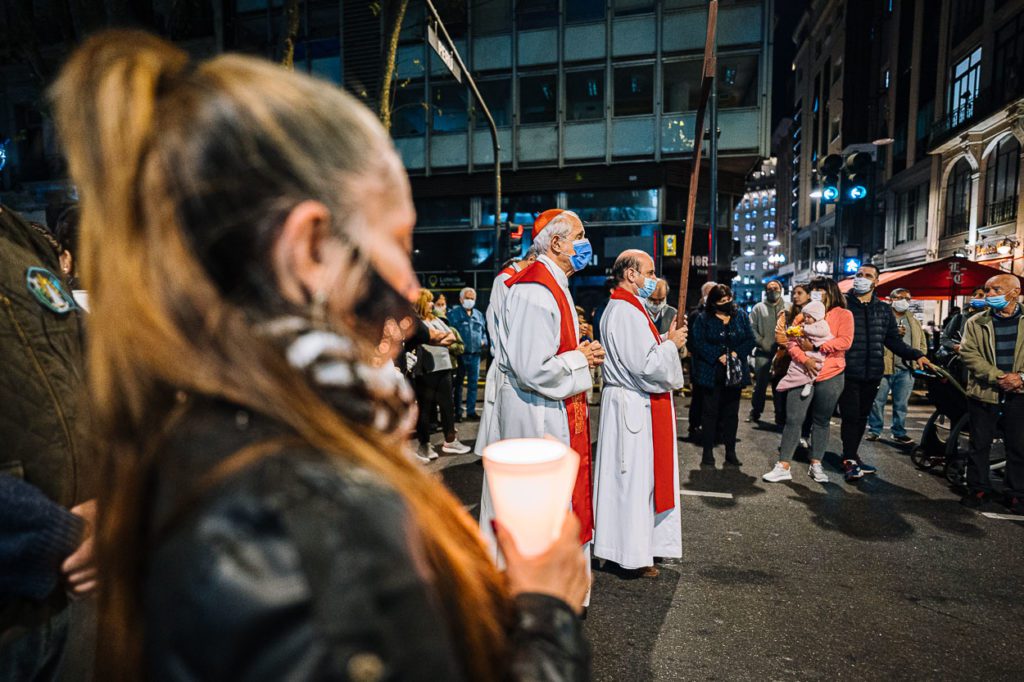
x: 816, y: 330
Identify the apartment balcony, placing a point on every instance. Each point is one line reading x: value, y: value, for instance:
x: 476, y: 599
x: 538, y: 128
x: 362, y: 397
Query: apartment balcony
x: 1001, y: 212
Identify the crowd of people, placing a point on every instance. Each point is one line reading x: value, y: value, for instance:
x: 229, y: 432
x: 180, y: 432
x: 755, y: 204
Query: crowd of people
x: 237, y: 486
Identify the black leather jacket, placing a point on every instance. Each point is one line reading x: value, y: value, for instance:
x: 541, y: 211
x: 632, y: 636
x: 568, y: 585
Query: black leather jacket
x: 297, y: 568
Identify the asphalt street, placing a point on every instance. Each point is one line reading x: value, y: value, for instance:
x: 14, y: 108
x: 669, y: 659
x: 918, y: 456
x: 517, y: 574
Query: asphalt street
x: 888, y: 578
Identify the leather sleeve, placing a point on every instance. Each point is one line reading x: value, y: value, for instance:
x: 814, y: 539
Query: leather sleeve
x: 547, y: 642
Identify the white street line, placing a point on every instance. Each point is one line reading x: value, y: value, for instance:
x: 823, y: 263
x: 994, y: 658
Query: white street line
x: 706, y: 493
x: 1003, y: 517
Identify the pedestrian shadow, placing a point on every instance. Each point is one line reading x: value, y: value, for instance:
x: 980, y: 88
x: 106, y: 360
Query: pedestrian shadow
x: 631, y: 613
x: 726, y: 480
x: 880, y: 510
x: 466, y: 482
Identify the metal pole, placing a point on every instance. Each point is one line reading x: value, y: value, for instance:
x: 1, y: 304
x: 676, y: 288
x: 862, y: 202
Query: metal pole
x: 713, y: 158
x: 707, y: 79
x: 496, y: 146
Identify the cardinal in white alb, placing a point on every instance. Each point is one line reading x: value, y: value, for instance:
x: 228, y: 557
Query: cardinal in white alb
x: 546, y: 369
x: 637, y: 489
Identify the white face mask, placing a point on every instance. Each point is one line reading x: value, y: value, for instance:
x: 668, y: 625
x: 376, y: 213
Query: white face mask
x: 901, y: 305
x: 469, y: 303
x: 655, y: 309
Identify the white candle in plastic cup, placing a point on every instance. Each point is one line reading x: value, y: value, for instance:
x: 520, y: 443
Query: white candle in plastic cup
x: 531, y: 482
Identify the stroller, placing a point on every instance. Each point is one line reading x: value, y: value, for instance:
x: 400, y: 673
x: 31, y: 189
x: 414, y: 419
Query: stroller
x: 945, y: 441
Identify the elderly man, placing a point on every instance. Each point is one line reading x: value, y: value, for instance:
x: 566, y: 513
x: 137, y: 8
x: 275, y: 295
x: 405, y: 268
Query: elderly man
x: 472, y: 326
x: 898, y: 377
x: 662, y: 314
x: 993, y: 351
x: 637, y: 490
x: 763, y: 318
x: 547, y: 369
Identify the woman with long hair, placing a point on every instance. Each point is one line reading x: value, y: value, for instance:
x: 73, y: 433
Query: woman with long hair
x: 721, y: 335
x: 245, y: 240
x: 432, y: 380
x: 800, y: 296
x: 828, y: 375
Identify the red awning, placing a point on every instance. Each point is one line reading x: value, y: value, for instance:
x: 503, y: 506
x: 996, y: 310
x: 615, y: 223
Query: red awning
x: 846, y: 284
x: 941, y: 279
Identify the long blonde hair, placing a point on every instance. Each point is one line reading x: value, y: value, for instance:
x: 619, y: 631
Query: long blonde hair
x: 185, y: 173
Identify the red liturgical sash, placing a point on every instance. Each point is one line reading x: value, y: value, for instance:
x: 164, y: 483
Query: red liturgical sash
x: 662, y: 418
x: 575, y: 406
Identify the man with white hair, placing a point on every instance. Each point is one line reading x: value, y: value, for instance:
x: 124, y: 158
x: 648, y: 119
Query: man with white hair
x: 547, y: 369
x: 472, y: 327
x: 637, y: 488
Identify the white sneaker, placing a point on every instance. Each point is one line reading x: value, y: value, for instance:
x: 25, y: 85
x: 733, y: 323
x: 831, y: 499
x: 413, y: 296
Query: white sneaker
x: 817, y: 473
x: 455, y: 448
x: 423, y: 453
x: 778, y: 474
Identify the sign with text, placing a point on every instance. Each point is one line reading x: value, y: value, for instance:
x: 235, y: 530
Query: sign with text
x: 444, y: 51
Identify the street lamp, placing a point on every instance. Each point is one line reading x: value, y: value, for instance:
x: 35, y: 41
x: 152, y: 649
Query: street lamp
x: 1007, y: 246
x: 775, y: 243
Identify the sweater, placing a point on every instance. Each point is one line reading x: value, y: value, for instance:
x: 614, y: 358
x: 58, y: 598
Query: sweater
x: 762, y: 321
x: 1006, y: 339
x: 840, y: 321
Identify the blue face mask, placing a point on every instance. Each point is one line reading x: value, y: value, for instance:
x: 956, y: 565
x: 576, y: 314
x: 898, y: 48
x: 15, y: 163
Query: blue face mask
x: 996, y: 302
x: 978, y: 303
x: 581, y: 258
x: 648, y: 288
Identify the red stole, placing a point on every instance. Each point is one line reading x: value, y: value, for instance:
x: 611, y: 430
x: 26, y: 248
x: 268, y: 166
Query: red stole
x: 575, y: 406
x: 662, y: 421
x: 508, y: 271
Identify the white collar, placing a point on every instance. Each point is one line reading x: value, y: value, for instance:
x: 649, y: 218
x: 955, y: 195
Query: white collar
x: 560, y: 276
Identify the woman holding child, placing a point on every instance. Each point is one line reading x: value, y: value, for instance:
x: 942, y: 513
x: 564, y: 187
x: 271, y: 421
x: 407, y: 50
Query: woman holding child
x: 817, y: 341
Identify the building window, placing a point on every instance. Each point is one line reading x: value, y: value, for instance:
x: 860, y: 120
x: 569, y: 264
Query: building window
x: 627, y: 7
x: 493, y: 16
x: 958, y: 199
x: 737, y: 80
x: 681, y: 86
x: 498, y: 95
x: 536, y: 14
x: 582, y: 11
x: 1008, y: 69
x: 584, y: 95
x: 615, y: 206
x: 966, y: 16
x: 442, y: 212
x: 449, y: 108
x: 538, y: 98
x: 963, y: 88
x: 909, y: 208
x: 409, y: 115
x: 634, y: 90
x: 1002, y: 178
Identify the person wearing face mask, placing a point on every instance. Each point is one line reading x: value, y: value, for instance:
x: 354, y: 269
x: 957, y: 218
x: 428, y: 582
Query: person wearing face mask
x: 874, y: 330
x: 662, y: 314
x: 993, y: 351
x: 472, y: 327
x: 953, y: 330
x: 546, y: 366
x: 696, y: 410
x: 762, y: 320
x: 719, y: 333
x: 898, y: 377
x: 636, y: 491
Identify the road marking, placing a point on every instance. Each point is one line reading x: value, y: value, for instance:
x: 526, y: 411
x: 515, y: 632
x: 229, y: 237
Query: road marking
x: 1003, y: 517
x: 706, y: 493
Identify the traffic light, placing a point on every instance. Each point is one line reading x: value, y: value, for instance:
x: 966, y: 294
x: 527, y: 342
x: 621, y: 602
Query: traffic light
x: 831, y: 167
x: 515, y: 240
x: 858, y: 169
x: 851, y: 266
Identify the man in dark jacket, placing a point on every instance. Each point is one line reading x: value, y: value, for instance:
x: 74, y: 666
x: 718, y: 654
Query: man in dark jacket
x: 874, y: 330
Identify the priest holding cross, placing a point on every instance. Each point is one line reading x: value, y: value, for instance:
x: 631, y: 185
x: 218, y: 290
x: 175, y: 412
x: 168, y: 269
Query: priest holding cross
x: 637, y: 488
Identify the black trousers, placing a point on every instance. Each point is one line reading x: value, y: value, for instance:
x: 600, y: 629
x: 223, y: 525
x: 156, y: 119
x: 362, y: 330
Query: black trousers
x: 696, y: 415
x: 854, y: 407
x: 762, y: 379
x: 434, y: 390
x: 721, y: 416
x: 458, y: 378
x: 984, y: 419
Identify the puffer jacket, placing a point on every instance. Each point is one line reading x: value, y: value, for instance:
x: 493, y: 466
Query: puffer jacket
x: 917, y: 341
x: 978, y: 351
x: 874, y: 330
x: 298, y: 567
x: 711, y: 339
x: 41, y: 383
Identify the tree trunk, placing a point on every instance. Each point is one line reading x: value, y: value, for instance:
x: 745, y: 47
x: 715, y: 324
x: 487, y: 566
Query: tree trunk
x: 390, y: 56
x: 291, y: 15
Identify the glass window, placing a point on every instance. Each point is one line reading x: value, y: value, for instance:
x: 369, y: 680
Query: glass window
x: 320, y: 58
x: 584, y: 95
x: 581, y: 11
x: 626, y: 7
x: 449, y: 108
x: 963, y: 88
x: 452, y: 252
x: 492, y: 16
x: 737, y: 80
x: 538, y: 99
x: 958, y: 199
x: 1002, y: 177
x: 442, y: 212
x: 524, y: 208
x: 615, y: 205
x: 414, y: 23
x: 1008, y: 70
x: 409, y: 115
x: 498, y: 95
x: 255, y: 5
x: 634, y: 90
x: 681, y: 4
x: 681, y: 86
x: 453, y: 13
x: 536, y: 14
